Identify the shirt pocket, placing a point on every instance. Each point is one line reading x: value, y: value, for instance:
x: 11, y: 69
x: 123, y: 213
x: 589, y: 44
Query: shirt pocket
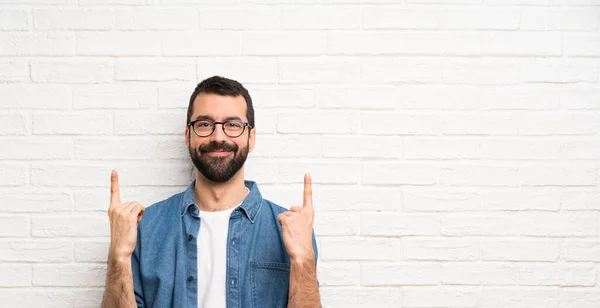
x: 270, y: 284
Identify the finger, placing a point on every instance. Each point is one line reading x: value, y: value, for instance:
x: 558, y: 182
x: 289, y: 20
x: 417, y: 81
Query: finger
x: 136, y: 208
x: 307, y: 192
x: 115, y: 194
x: 295, y: 208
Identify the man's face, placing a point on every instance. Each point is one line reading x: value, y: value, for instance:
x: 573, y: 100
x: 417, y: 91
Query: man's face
x: 219, y: 157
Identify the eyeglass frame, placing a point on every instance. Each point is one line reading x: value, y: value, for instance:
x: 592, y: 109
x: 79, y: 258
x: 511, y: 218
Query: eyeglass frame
x: 244, y: 125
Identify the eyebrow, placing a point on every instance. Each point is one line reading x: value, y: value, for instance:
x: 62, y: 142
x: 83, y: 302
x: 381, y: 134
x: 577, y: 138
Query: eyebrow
x: 206, y: 117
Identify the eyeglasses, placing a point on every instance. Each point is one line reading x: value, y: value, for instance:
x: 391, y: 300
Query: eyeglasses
x: 231, y: 128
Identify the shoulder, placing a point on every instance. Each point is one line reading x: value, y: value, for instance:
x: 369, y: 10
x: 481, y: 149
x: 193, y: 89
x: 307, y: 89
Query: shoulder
x: 272, y: 207
x: 162, y: 209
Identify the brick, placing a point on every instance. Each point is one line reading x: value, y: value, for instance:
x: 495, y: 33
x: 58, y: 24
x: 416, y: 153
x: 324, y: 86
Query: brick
x: 581, y: 201
x: 283, y: 43
x: 182, y: 2
x: 479, y: 175
x: 318, y: 72
x: 14, y: 20
x: 205, y: 43
x: 332, y: 173
x: 14, y: 226
x: 321, y: 18
x: 154, y: 70
x: 559, y: 124
x: 520, y: 199
x: 165, y: 174
x: 321, y: 122
x: 14, y: 70
x: 262, y: 170
x: 395, y: 224
x: 355, y: 199
x: 523, y: 2
x: 114, y: 97
x: 78, y: 71
x: 519, y: 250
x: 527, y: 97
x: 296, y: 146
x: 384, y: 17
x: 369, y: 97
x: 91, y: 251
x: 582, y: 250
x: 362, y: 147
x: 530, y: 149
x: 118, y: 2
x: 338, y: 274
x: 559, y: 19
x: 283, y: 96
x: 56, y: 175
x: 433, y: 249
x: 441, y: 148
x: 406, y: 123
x: 356, y: 249
x: 401, y: 71
x: 442, y: 97
x: 579, y: 298
x: 136, y: 123
x: 72, y: 123
x: 25, y: 250
x: 13, y: 175
x: 400, y: 274
x: 337, y: 224
x: 176, y: 95
x: 579, y: 98
x: 70, y: 226
x: 464, y: 273
x: 117, y: 44
x: 518, y: 297
x: 568, y: 275
x: 557, y: 176
x: 36, y: 202
x: 36, y: 44
x: 478, y: 124
x: 73, y: 19
x: 244, y: 70
x: 281, y: 1
x: 97, y: 200
x: 131, y: 148
x: 153, y: 19
x: 583, y: 45
x: 79, y: 275
x: 450, y: 43
x: 15, y: 275
x: 553, y: 225
x: 36, y: 148
x: 479, y: 225
x: 439, y: 297
x: 266, y: 121
x: 399, y: 173
x: 480, y: 19
x: 13, y: 124
x: 440, y: 201
x: 29, y: 96
x: 240, y: 19
x: 50, y: 297
x: 360, y: 297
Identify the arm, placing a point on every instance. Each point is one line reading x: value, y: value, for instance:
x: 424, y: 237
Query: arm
x: 304, y: 290
x: 124, y: 219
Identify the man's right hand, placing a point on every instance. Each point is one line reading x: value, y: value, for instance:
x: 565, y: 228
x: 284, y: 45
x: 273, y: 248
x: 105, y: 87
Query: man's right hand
x: 124, y: 218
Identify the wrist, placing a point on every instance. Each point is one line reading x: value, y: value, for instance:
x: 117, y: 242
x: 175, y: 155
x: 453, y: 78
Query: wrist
x: 303, y: 260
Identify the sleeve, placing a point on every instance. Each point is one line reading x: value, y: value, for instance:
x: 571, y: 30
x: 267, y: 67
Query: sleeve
x: 314, y: 240
x: 137, y: 276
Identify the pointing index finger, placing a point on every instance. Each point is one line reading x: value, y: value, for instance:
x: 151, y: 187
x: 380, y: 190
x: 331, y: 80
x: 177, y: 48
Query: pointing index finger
x: 115, y: 194
x: 307, y: 191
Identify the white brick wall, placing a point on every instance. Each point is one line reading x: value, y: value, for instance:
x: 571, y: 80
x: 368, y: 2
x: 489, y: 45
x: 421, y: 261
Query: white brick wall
x: 454, y: 144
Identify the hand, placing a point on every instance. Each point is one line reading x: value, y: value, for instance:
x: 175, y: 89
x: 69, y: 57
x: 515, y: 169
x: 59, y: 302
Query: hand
x: 297, y: 226
x: 124, y: 218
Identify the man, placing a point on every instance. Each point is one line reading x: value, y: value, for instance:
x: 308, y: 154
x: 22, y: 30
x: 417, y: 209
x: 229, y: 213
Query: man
x: 218, y: 243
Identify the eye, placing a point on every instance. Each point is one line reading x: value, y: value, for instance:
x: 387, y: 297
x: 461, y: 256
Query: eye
x: 233, y: 124
x: 203, y: 124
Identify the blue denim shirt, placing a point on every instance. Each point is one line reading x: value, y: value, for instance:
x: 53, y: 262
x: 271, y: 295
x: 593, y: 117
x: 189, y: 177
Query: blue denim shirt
x: 165, y: 260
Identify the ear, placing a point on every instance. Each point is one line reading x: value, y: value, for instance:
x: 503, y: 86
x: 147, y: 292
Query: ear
x: 251, y: 139
x: 186, y: 136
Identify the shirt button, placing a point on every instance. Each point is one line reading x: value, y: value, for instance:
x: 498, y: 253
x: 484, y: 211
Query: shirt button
x: 190, y: 237
x: 233, y: 281
x: 190, y: 278
x: 232, y: 242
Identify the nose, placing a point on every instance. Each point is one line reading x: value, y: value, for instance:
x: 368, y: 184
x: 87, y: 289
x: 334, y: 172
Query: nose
x: 218, y: 134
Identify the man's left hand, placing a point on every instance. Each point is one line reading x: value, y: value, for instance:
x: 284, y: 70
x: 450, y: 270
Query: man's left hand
x: 297, y: 226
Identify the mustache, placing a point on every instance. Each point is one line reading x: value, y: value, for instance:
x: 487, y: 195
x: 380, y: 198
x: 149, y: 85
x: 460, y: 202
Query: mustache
x: 214, y: 146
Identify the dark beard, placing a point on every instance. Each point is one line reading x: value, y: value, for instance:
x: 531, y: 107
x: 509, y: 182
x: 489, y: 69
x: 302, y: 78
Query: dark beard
x: 218, y: 169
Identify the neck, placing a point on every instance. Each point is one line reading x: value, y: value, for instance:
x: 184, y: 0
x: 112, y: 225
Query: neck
x: 212, y: 197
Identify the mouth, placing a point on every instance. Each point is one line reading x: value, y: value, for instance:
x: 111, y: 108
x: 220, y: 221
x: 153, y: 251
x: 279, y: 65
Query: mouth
x: 218, y: 153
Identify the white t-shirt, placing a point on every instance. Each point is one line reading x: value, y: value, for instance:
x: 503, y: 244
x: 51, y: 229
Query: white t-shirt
x: 212, y: 258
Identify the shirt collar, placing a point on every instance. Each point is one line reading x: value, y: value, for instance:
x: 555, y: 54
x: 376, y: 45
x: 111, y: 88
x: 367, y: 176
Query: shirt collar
x: 250, y: 206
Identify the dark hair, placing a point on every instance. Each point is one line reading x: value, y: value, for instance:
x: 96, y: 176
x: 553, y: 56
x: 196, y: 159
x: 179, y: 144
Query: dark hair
x: 222, y: 86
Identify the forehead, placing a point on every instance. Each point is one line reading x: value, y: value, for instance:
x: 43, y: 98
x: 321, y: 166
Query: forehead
x: 219, y: 107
